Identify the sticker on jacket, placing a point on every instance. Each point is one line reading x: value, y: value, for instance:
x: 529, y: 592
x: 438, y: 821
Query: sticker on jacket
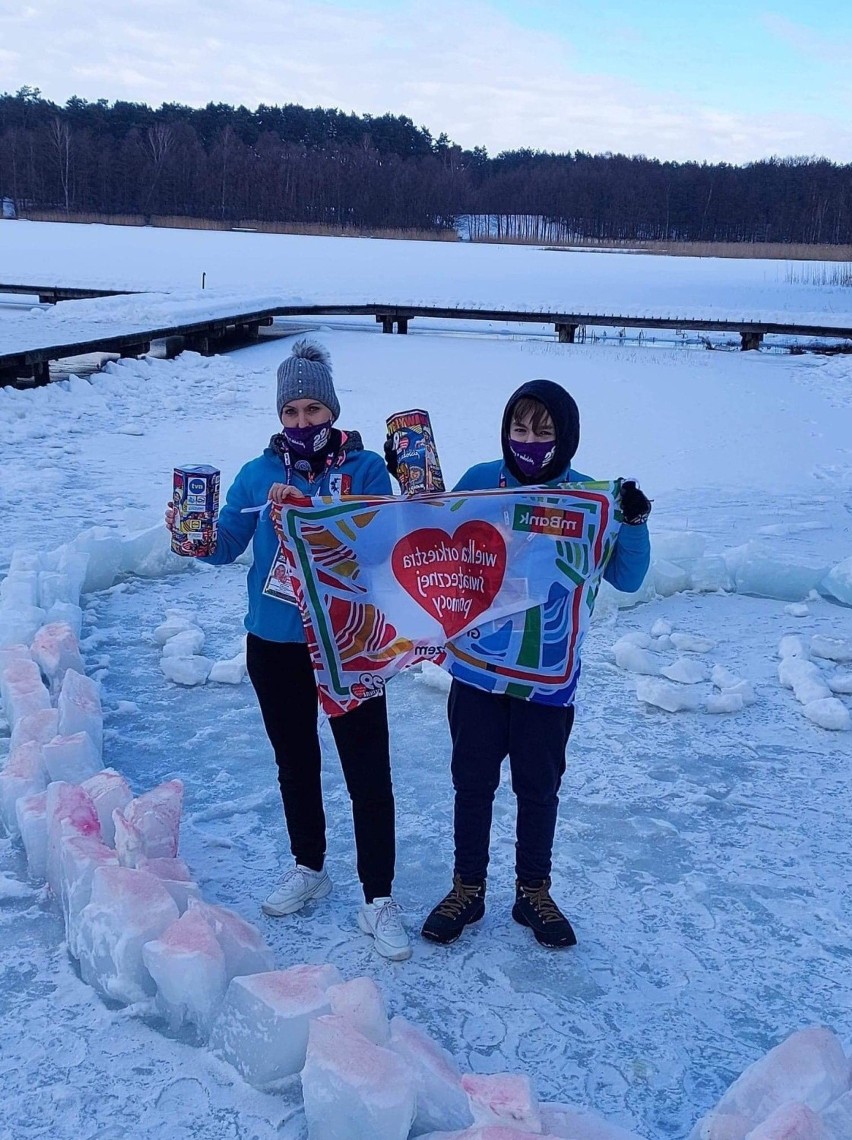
x: 278, y: 584
x: 339, y: 484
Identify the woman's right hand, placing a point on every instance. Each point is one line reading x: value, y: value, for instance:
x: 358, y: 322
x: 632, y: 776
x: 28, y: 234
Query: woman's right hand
x: 170, y: 517
x: 281, y: 493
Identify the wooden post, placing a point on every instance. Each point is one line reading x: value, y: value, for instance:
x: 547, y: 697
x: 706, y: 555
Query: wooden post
x: 173, y: 346
x: 139, y: 349
x: 402, y: 325
x: 566, y: 333
x: 41, y: 373
x: 387, y: 323
x: 197, y: 342
x: 750, y: 341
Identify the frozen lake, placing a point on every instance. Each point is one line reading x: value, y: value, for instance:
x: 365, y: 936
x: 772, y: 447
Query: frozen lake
x: 704, y: 860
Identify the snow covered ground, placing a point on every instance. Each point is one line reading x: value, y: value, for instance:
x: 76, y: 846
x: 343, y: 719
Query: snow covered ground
x: 703, y: 859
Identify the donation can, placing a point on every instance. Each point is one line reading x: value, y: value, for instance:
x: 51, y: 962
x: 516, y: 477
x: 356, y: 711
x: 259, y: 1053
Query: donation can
x: 195, y: 494
x: 418, y: 467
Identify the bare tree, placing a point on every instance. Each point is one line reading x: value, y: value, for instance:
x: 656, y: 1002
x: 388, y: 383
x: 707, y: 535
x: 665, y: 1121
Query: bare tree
x: 60, y: 137
x: 227, y: 142
x: 159, y: 139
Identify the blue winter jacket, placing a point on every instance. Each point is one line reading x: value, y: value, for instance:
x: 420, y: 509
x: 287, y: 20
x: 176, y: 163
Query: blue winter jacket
x: 629, y: 563
x: 270, y: 618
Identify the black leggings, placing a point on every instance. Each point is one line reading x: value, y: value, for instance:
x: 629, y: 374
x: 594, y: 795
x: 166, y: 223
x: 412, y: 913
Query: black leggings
x: 283, y: 680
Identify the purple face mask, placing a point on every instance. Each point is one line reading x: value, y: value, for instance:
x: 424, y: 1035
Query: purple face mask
x: 308, y: 440
x: 532, y: 458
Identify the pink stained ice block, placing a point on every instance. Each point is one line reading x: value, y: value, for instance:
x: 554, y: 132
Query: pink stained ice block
x: 22, y: 690
x: 490, y: 1132
x: 79, y: 707
x: 262, y: 1029
x: 362, y: 1003
x: 838, y: 1115
x: 127, y: 909
x: 809, y: 1067
x: 174, y: 870
x: 573, y: 1122
x: 55, y: 649
x: 69, y: 613
x: 19, y: 671
x: 39, y: 726
x: 10, y: 653
x: 504, y: 1099
x: 245, y: 950
x: 149, y: 827
x: 175, y: 877
x: 70, y: 812
x: 23, y: 775
x: 31, y: 812
x: 442, y: 1104
x: 791, y: 1122
x: 128, y: 840
x: 188, y: 967
x: 72, y: 758
x: 353, y: 1088
x: 79, y: 858
x: 109, y: 792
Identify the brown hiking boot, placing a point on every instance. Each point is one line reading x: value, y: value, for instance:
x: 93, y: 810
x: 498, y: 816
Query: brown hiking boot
x: 464, y: 905
x: 535, y: 908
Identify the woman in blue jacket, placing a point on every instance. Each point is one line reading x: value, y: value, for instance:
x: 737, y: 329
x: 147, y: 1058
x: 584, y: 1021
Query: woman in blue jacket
x: 311, y: 457
x: 540, y: 434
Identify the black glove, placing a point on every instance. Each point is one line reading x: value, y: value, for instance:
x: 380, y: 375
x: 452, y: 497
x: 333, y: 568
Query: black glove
x: 391, y: 461
x: 635, y: 507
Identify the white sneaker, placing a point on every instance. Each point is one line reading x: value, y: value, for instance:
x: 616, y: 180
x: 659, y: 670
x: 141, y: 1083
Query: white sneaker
x: 382, y: 920
x: 297, y: 887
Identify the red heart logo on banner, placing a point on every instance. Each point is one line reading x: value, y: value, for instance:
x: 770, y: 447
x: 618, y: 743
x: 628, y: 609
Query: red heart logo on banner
x: 454, y: 578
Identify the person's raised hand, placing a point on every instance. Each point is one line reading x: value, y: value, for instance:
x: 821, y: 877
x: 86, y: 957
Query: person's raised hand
x: 391, y: 458
x: 170, y: 516
x: 635, y: 506
x: 283, y: 493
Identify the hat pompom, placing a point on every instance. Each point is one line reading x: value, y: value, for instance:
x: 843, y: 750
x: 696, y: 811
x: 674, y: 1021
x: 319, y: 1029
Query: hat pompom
x: 308, y: 350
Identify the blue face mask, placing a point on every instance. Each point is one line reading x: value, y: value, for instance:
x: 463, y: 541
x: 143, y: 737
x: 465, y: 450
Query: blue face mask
x: 310, y: 440
x: 532, y: 458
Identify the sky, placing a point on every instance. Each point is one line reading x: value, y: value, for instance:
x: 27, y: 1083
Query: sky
x: 721, y: 80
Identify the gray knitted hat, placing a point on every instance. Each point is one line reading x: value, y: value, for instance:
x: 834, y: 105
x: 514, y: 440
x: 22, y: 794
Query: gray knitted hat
x: 306, y: 375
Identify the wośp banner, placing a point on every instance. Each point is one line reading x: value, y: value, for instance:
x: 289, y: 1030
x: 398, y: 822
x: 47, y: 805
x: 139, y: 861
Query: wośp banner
x: 496, y: 586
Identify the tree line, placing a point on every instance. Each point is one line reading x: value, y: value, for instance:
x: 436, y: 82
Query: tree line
x: 298, y: 165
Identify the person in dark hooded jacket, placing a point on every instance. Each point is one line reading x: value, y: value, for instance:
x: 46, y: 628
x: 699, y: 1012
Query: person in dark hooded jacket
x: 311, y: 457
x: 540, y: 435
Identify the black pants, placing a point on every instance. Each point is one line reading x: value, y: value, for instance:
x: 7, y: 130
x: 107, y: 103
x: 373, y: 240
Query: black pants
x: 485, y: 728
x: 283, y: 679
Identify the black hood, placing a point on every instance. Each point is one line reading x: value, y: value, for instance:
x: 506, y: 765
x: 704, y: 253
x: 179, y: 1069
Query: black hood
x: 566, y: 420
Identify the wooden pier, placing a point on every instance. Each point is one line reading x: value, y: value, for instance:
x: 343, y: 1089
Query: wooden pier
x: 51, y: 294
x: 28, y: 367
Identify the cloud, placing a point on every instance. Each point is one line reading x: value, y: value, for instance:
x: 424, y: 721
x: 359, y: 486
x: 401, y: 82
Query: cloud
x: 466, y: 69
x: 831, y: 50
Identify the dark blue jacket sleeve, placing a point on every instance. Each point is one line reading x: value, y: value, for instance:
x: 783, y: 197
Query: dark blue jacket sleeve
x: 630, y: 560
x: 235, y: 530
